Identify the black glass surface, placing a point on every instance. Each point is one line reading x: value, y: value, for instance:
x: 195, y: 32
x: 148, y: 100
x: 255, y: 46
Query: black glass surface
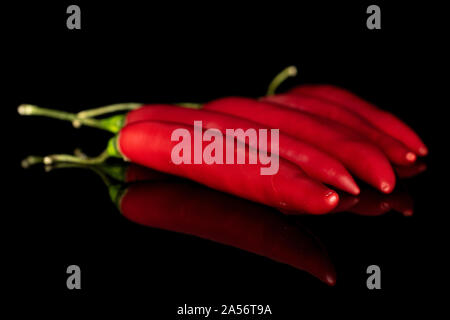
x: 187, y: 52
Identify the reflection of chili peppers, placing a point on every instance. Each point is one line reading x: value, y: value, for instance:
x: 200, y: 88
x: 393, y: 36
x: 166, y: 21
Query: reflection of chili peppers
x: 411, y: 170
x: 215, y: 216
x: 383, y: 120
x: 372, y: 203
x: 159, y: 201
x: 135, y: 172
x: 362, y: 158
x: 394, y: 149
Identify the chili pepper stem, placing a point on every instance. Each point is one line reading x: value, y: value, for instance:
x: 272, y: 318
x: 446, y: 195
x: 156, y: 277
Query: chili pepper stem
x: 74, y: 159
x: 288, y: 72
x: 115, y: 189
x: 112, y: 124
x: 190, y: 105
x: 90, y: 113
x: 110, y: 152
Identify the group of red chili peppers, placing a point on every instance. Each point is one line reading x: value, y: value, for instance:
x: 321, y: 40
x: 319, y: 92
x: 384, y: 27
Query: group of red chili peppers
x: 327, y: 136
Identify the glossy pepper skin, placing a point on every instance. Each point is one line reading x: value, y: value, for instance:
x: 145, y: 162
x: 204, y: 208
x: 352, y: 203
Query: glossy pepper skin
x: 359, y: 156
x: 397, y: 152
x: 149, y: 144
x: 384, y: 121
x: 315, y: 162
x: 189, y: 208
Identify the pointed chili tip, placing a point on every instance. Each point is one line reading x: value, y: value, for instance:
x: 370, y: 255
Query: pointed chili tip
x: 332, y: 198
x: 349, y: 185
x: 423, y: 151
x: 411, y: 157
x: 354, y: 189
x: 386, y: 187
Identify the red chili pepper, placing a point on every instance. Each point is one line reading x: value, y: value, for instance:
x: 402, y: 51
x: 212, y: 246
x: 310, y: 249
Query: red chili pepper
x: 394, y: 149
x: 314, y: 162
x: 149, y: 144
x: 383, y: 120
x: 188, y: 208
x: 360, y: 157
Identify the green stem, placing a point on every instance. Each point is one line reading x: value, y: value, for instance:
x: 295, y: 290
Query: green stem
x: 115, y: 189
x: 288, y: 72
x: 90, y: 113
x: 111, y: 151
x: 74, y: 159
x: 99, y: 172
x: 112, y: 124
x: 190, y: 105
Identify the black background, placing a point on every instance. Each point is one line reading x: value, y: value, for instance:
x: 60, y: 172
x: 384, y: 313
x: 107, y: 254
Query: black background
x: 197, y: 52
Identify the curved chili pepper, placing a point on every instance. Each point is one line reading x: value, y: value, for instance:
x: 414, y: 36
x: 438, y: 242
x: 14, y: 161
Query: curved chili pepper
x: 186, y: 207
x: 394, y: 149
x: 383, y: 120
x: 371, y: 203
x: 411, y: 170
x: 360, y: 157
x: 314, y: 162
x: 149, y: 144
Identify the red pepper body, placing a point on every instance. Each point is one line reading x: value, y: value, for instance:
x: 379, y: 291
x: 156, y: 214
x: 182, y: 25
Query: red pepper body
x: 316, y: 163
x: 394, y: 149
x: 149, y: 144
x: 383, y: 120
x: 360, y: 157
x: 191, y: 209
